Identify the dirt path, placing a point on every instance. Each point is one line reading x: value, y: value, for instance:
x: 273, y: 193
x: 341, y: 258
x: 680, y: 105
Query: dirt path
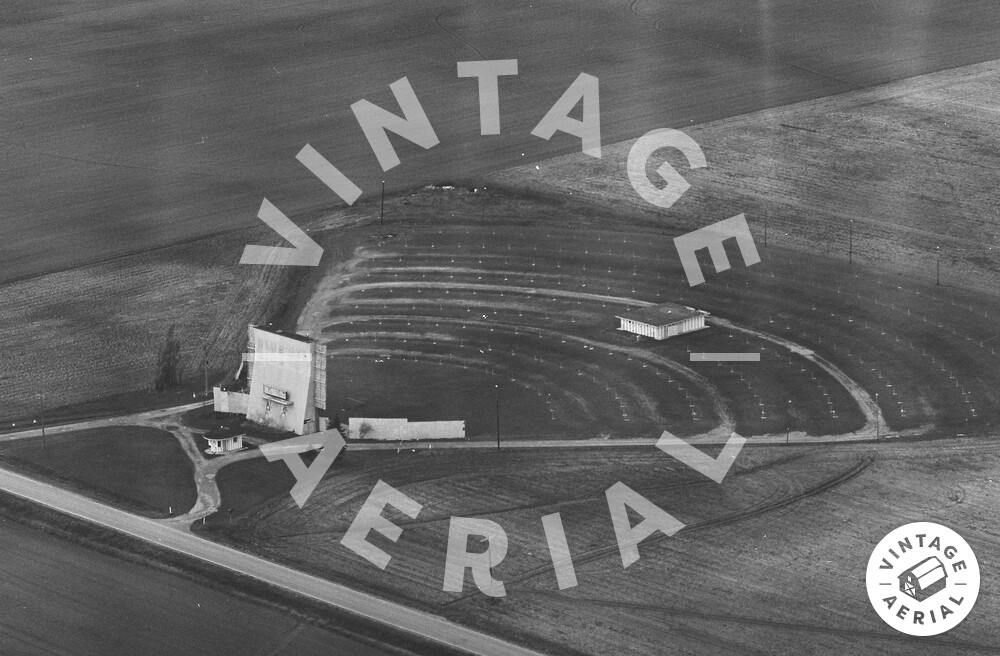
x: 138, y: 418
x: 205, y: 469
x: 873, y: 414
x: 167, y: 420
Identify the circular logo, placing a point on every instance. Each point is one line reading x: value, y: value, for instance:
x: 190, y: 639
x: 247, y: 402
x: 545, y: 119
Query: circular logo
x: 923, y: 579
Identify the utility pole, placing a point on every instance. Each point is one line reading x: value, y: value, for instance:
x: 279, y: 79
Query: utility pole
x: 381, y: 204
x: 41, y: 413
x: 496, y: 391
x: 788, y: 426
x: 937, y: 277
x: 204, y: 362
x: 876, y: 416
x: 765, y: 231
x: 850, y: 248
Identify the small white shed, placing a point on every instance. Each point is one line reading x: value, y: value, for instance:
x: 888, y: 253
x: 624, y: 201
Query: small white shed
x: 223, y: 440
x: 662, y: 321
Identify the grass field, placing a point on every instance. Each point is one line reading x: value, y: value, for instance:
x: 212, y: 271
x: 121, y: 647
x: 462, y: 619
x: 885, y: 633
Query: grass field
x: 138, y: 468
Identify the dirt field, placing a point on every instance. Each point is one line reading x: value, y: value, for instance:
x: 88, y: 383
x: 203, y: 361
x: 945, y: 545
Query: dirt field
x: 96, y: 331
x: 771, y: 560
x: 904, y: 162
x: 130, y: 125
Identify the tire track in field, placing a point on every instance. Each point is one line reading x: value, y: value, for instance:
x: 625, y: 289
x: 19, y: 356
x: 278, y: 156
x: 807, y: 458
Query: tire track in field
x: 565, y: 503
x: 754, y: 511
x: 544, y: 505
x: 454, y: 35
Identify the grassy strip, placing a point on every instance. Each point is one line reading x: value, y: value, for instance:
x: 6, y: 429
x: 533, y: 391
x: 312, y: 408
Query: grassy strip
x: 137, y: 468
x: 107, y: 497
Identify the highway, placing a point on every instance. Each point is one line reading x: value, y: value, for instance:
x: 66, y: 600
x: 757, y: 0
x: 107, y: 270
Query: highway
x: 399, y: 617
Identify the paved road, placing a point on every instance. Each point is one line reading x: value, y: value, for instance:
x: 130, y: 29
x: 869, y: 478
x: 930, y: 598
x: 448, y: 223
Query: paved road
x: 131, y: 124
x: 399, y: 617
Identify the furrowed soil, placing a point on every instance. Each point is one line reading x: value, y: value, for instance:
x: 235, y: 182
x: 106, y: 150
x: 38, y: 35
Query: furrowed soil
x: 133, y: 125
x: 772, y: 559
x: 86, y: 335
x: 909, y: 163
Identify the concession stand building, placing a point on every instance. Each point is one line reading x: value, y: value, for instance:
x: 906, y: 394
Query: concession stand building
x: 662, y: 321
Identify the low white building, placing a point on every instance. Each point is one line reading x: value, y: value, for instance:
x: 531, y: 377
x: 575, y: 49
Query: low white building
x: 402, y: 430
x: 223, y: 440
x: 662, y: 321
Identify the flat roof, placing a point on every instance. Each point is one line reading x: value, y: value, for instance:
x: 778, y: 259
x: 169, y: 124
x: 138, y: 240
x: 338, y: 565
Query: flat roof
x: 223, y: 433
x: 661, y: 314
x: 285, y: 333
